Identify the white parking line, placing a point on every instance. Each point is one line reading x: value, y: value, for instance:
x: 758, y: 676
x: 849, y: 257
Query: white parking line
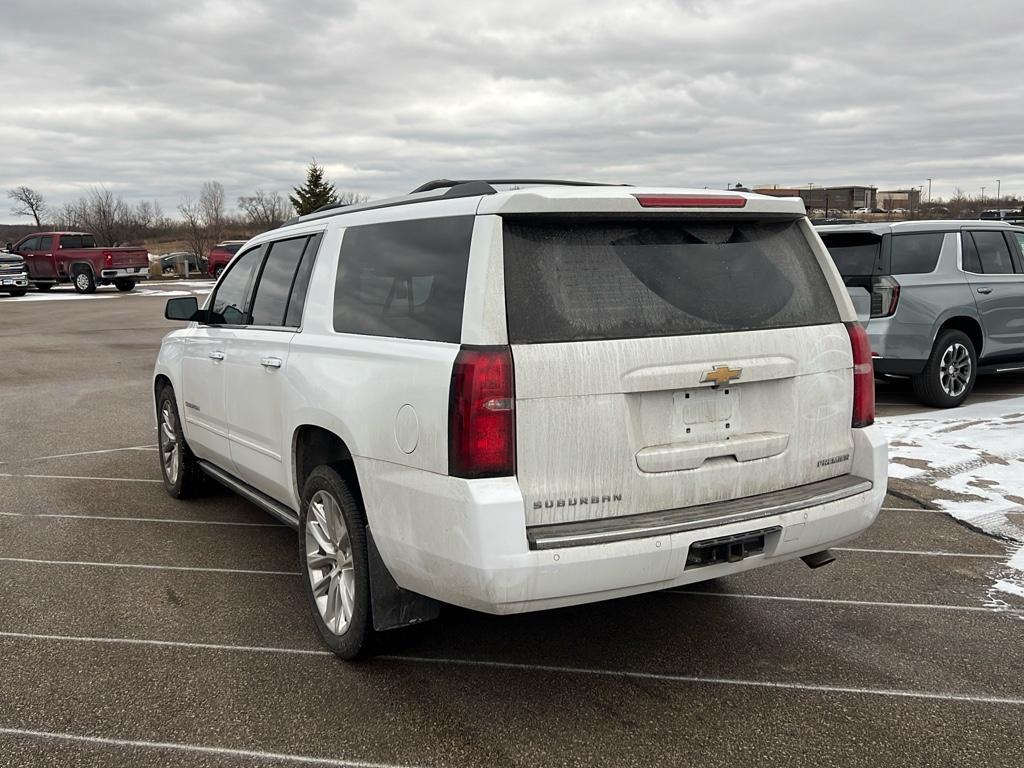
x: 174, y: 746
x: 82, y: 477
x: 836, y: 601
x: 86, y: 453
x: 176, y: 521
x: 668, y: 678
x: 197, y: 569
x: 610, y: 673
x: 165, y: 643
x: 897, y: 692
x: 916, y: 552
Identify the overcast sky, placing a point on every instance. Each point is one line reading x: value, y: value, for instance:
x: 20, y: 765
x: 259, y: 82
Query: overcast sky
x: 151, y: 98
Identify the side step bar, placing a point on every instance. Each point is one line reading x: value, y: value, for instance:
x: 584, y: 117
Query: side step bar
x: 261, y: 500
x: 627, y: 527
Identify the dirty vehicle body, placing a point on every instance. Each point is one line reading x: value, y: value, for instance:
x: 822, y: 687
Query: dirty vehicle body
x: 520, y: 400
x: 13, y: 277
x: 947, y: 299
x: 72, y: 257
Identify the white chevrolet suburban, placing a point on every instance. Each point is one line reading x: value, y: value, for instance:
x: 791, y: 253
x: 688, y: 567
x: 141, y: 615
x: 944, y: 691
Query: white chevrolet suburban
x: 523, y: 399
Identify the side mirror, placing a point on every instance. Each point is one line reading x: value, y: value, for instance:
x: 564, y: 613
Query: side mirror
x: 10, y: 246
x: 184, y: 308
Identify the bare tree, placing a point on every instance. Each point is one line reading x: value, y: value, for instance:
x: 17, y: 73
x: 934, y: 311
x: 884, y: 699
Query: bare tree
x: 211, y: 209
x: 197, y: 235
x: 264, y: 210
x: 958, y: 204
x: 106, y: 215
x: 352, y: 198
x: 27, y: 202
x: 68, y: 216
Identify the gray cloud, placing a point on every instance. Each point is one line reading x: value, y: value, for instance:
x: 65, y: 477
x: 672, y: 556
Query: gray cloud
x: 151, y: 98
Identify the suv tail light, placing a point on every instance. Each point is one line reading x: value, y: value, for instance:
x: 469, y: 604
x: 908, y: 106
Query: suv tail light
x: 885, y: 295
x: 863, y: 377
x: 481, y: 414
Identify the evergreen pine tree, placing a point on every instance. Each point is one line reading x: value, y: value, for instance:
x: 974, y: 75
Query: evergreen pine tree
x: 315, y: 193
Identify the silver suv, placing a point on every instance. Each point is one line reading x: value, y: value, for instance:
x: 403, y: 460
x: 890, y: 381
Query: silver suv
x: 947, y: 299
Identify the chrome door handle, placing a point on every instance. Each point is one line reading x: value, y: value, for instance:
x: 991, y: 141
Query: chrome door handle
x: 216, y: 355
x: 985, y: 290
x: 271, y: 362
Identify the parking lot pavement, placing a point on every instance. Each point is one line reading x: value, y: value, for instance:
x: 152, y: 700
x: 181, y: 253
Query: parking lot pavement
x: 196, y: 285
x: 895, y: 397
x: 142, y: 631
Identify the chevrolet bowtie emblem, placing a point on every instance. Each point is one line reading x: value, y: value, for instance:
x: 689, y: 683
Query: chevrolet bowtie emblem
x: 722, y: 374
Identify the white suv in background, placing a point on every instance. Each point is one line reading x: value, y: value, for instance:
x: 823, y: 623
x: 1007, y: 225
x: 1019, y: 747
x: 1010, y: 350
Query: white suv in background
x: 524, y: 399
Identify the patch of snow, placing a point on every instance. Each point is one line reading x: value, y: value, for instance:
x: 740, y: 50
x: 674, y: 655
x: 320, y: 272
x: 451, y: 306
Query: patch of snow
x: 1010, y: 587
x: 975, y: 451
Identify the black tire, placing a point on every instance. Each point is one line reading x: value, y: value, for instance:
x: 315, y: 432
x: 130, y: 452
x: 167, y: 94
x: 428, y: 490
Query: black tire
x: 356, y: 638
x: 217, y: 273
x: 43, y: 287
x: 17, y: 293
x: 949, y: 375
x: 124, y: 285
x: 188, y: 481
x: 83, y: 281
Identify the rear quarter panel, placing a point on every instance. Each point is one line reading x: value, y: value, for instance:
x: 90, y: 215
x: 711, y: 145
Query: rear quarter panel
x: 387, y: 398
x: 926, y: 302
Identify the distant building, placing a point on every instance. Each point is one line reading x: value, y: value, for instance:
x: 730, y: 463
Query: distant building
x: 908, y: 199
x: 845, y: 198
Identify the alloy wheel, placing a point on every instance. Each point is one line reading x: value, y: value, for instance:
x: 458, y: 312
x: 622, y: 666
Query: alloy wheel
x: 170, y: 448
x: 955, y: 370
x: 329, y: 562
x: 82, y: 281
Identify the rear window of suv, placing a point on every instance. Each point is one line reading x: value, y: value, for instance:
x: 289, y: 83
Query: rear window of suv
x: 855, y: 253
x: 569, y: 279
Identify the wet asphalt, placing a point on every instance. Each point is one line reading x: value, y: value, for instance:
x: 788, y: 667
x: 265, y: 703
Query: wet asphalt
x: 138, y: 630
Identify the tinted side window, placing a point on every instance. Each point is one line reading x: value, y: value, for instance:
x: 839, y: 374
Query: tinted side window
x: 71, y: 241
x: 229, y: 302
x: 993, y: 253
x: 301, y: 283
x: 46, y: 243
x: 271, y: 301
x: 405, y: 279
x: 32, y: 244
x: 915, y: 254
x: 1020, y: 244
x: 88, y: 241
x: 971, y: 262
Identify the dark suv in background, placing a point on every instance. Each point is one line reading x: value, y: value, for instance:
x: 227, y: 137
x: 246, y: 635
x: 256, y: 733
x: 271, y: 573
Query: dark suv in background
x: 947, y: 299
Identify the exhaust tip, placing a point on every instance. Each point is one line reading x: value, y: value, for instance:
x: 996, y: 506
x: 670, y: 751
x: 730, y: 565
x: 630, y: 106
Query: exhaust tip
x: 818, y: 559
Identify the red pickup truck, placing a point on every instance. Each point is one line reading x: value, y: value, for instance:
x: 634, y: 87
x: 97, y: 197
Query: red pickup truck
x: 72, y: 257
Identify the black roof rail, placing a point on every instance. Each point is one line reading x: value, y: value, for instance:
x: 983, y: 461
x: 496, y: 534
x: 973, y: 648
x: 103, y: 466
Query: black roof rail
x: 442, y: 183
x: 465, y: 188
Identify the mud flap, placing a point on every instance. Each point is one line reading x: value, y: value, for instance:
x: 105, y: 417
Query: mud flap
x: 393, y: 607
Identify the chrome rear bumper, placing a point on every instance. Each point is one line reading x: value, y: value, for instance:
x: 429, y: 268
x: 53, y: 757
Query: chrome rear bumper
x: 691, y: 518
